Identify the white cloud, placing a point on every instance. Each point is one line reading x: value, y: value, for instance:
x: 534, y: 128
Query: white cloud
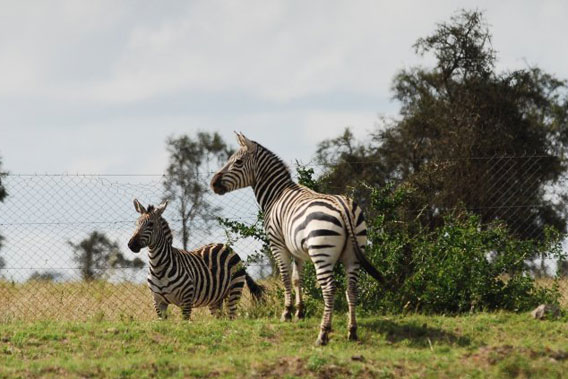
x: 95, y: 79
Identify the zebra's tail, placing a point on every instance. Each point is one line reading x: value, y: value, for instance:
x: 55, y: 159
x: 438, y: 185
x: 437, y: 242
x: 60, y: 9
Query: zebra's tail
x: 367, y: 266
x: 256, y: 290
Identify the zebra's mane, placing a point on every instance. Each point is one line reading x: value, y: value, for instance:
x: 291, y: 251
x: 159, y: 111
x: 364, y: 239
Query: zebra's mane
x: 150, y: 209
x: 274, y: 157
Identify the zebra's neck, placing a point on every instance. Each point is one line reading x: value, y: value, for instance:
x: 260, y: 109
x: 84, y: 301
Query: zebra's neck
x: 161, y: 249
x: 271, y: 179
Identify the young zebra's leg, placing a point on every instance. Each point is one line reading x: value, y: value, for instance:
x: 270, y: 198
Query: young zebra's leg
x: 187, y: 303
x: 216, y: 309
x: 352, y: 277
x: 234, y: 293
x: 324, y: 274
x: 283, y: 259
x: 161, y: 307
x: 297, y: 276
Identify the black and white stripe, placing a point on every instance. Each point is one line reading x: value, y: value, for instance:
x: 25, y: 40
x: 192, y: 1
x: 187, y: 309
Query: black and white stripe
x: 301, y: 224
x: 207, y: 276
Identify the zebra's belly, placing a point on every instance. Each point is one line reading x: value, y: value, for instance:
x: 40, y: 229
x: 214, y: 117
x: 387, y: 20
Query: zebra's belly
x: 169, y: 291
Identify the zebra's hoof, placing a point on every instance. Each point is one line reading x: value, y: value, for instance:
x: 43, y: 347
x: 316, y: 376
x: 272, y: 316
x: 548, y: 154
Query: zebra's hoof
x: 322, y: 340
x: 300, y: 313
x: 352, y: 335
x: 286, y: 316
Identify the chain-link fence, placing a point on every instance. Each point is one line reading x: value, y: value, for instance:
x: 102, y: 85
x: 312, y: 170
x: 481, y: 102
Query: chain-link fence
x: 45, y: 218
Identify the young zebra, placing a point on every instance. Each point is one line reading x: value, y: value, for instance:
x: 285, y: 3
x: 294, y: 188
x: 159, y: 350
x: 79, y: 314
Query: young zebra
x: 203, y: 277
x: 301, y: 224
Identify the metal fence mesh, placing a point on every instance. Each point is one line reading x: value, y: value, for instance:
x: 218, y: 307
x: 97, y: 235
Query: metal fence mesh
x: 43, y: 213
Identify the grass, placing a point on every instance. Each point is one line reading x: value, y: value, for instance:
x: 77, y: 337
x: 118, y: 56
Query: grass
x: 101, y: 329
x: 497, y: 345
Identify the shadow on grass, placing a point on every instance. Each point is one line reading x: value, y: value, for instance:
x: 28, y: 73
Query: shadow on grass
x: 417, y: 335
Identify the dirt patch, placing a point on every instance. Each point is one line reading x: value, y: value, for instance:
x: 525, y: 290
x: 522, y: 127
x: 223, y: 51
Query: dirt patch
x: 491, y: 355
x: 285, y: 366
x: 295, y: 366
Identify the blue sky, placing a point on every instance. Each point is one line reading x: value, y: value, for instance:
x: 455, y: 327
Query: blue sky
x: 98, y: 86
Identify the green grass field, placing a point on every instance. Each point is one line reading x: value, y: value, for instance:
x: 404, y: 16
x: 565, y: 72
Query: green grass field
x: 496, y: 345
x: 109, y: 330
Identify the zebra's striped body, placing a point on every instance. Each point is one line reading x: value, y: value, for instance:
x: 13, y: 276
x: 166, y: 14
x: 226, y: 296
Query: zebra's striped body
x: 207, y: 276
x: 301, y: 224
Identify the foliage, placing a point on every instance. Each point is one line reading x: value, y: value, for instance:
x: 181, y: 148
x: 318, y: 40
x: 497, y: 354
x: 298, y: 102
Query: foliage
x: 183, y: 183
x: 3, y: 195
x: 96, y: 254
x: 461, y: 266
x: 46, y: 276
x: 262, y: 257
x: 453, y: 117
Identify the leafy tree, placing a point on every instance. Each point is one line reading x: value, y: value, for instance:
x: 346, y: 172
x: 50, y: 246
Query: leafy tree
x: 455, y: 119
x: 185, y: 182
x: 262, y: 257
x: 96, y: 254
x: 47, y: 276
x: 3, y: 195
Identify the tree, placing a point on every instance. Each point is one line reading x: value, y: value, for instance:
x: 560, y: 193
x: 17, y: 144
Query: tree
x: 461, y: 123
x: 96, y: 254
x: 185, y: 182
x: 3, y: 195
x: 46, y: 276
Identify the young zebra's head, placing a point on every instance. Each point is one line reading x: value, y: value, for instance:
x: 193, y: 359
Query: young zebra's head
x: 239, y: 172
x: 148, y: 226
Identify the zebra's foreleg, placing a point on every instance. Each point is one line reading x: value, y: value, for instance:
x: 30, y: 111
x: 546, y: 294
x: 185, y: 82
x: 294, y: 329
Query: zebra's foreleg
x: 324, y: 273
x: 283, y: 260
x: 216, y: 309
x: 297, y: 279
x: 186, y: 310
x: 161, y: 308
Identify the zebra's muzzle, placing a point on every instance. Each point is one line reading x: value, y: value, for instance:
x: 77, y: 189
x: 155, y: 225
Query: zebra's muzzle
x: 134, y: 245
x: 217, y: 185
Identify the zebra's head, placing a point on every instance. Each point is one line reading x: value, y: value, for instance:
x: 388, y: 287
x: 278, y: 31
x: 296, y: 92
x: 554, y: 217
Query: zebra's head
x: 239, y: 170
x: 147, y: 226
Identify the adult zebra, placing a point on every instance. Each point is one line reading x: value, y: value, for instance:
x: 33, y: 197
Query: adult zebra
x: 301, y: 224
x: 203, y: 277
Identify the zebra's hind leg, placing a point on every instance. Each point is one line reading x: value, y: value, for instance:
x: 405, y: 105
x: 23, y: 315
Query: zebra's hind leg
x: 297, y: 275
x: 234, y: 294
x: 324, y: 273
x: 283, y: 260
x: 352, y: 277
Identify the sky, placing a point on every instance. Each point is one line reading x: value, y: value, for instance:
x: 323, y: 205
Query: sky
x: 96, y: 87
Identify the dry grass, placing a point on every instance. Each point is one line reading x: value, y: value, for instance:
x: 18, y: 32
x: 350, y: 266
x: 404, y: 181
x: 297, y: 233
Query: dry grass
x: 100, y: 300
x: 562, y: 288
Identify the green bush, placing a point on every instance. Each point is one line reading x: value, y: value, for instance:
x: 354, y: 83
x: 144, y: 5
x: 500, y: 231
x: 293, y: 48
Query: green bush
x: 460, y: 266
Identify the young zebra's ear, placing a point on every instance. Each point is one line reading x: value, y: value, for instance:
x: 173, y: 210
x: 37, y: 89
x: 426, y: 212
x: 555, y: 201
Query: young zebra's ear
x: 161, y: 208
x: 139, y: 207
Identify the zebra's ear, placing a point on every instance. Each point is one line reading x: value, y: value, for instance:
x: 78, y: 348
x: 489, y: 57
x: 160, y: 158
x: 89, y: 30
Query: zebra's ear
x: 161, y: 208
x: 139, y: 207
x: 247, y: 143
x: 240, y: 138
